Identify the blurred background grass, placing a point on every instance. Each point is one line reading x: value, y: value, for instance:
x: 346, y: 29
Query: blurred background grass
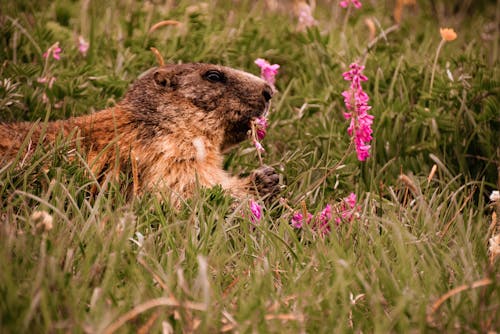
x: 415, y: 240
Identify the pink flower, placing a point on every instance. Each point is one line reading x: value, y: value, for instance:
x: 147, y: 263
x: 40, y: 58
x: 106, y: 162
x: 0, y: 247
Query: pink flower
x: 356, y: 102
x: 351, y: 200
x: 55, y: 50
x: 47, y: 80
x: 261, y: 127
x: 322, y: 222
x: 56, y: 53
x: 348, y: 210
x: 345, y: 3
x: 305, y: 17
x: 256, y: 210
x: 258, y: 146
x: 318, y: 223
x: 267, y: 71
x: 83, y: 45
x: 345, y: 211
x: 298, y: 219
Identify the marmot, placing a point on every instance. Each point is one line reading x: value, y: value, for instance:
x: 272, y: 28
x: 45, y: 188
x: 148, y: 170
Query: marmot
x: 175, y: 122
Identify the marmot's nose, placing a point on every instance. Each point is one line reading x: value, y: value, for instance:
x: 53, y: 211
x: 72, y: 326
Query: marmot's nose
x: 267, y: 93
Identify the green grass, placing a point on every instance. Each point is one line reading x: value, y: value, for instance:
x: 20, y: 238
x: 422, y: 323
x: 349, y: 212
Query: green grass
x: 413, y: 243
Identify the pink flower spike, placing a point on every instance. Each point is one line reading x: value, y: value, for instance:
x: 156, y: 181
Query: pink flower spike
x: 256, y: 210
x: 351, y: 200
x: 54, y: 50
x: 46, y: 80
x: 356, y: 102
x: 305, y: 17
x: 298, y: 219
x: 267, y: 71
x: 83, y: 46
x: 325, y: 215
x: 261, y: 127
x: 322, y: 221
x: 345, y: 4
x: 56, y: 53
x: 348, y: 210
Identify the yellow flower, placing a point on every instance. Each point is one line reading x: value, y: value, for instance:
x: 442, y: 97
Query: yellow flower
x: 448, y: 34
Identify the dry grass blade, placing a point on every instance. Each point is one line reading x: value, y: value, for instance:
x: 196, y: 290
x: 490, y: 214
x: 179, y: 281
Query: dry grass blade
x: 371, y: 28
x: 141, y: 308
x: 285, y: 317
x: 437, y: 304
x: 163, y: 24
x: 158, y: 56
x: 408, y: 183
x: 227, y: 328
x: 146, y: 328
x: 432, y: 173
x: 230, y: 287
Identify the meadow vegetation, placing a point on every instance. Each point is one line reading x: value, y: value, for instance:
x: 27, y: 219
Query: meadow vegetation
x: 77, y: 255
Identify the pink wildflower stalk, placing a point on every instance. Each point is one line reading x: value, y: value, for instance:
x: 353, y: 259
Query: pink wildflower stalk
x: 54, y: 50
x: 268, y: 72
x: 321, y: 222
x: 47, y: 80
x: 261, y: 127
x: 356, y: 102
x: 345, y: 211
x: 256, y: 211
x: 345, y: 3
x: 83, y: 46
x: 298, y: 219
x: 348, y: 210
x: 305, y: 17
x: 351, y: 200
x: 259, y: 130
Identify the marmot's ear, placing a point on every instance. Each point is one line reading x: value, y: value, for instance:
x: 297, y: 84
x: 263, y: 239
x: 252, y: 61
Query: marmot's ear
x: 162, y: 77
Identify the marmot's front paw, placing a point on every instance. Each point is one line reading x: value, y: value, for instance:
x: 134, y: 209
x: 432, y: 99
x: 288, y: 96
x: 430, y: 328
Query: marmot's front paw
x: 266, y: 182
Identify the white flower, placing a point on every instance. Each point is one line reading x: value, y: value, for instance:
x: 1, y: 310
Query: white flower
x: 495, y: 245
x: 43, y: 220
x: 495, y: 196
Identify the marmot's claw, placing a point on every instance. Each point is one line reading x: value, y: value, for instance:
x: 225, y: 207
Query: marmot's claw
x: 266, y: 181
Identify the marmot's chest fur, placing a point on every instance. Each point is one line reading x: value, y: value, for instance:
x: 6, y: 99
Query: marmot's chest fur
x: 172, y: 127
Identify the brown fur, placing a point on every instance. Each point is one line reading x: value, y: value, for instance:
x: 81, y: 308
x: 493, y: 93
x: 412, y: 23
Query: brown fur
x: 174, y: 122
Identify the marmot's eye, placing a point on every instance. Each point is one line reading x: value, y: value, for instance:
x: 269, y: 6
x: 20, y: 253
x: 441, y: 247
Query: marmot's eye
x: 215, y: 76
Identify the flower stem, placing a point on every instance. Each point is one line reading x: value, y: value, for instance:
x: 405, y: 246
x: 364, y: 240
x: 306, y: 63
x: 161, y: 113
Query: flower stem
x: 435, y: 62
x: 346, y: 18
x: 254, y: 139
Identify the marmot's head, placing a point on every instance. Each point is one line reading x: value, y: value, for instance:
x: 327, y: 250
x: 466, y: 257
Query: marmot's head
x: 217, y: 100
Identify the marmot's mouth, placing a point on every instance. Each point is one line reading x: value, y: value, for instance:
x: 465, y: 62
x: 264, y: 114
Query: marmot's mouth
x: 263, y: 113
x: 241, y: 130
